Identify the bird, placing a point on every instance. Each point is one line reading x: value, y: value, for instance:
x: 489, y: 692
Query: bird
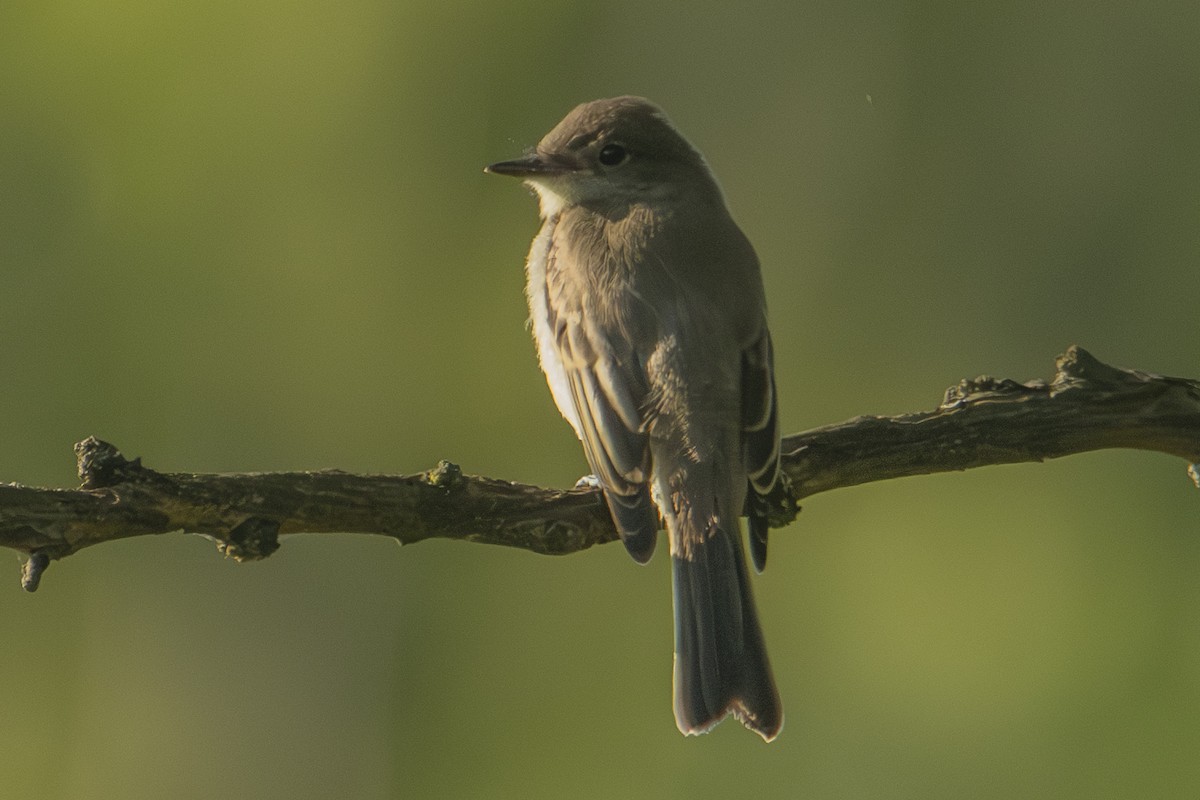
x: 649, y: 316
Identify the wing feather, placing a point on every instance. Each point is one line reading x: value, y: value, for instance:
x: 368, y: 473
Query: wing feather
x: 760, y: 423
x: 608, y: 390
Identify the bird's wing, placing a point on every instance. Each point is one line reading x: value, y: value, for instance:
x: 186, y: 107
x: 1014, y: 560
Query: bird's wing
x: 608, y: 387
x: 760, y: 423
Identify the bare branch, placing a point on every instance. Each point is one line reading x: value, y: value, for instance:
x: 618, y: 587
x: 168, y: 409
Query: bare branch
x: 1087, y: 406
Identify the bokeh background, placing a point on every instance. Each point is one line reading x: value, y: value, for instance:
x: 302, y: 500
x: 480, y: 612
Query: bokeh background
x: 256, y: 236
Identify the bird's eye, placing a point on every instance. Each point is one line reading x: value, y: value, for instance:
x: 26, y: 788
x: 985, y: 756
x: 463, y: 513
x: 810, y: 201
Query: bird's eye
x: 613, y: 154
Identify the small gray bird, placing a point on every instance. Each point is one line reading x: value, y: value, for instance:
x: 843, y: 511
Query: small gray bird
x: 651, y: 326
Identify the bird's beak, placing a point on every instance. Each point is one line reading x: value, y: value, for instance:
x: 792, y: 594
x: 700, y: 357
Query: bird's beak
x: 530, y: 167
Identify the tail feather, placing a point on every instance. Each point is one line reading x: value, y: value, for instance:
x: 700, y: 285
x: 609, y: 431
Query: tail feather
x: 721, y: 662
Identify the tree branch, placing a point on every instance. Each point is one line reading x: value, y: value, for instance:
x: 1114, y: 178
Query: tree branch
x: 1087, y: 406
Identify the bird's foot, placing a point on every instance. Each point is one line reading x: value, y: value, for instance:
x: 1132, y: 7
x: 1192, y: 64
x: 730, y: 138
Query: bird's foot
x: 588, y: 482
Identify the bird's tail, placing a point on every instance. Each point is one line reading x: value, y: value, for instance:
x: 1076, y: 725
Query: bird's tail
x: 721, y: 662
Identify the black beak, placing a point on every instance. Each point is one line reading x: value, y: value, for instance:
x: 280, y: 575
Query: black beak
x: 529, y: 167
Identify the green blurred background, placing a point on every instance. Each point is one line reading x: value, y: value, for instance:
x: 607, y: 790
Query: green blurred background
x: 257, y: 237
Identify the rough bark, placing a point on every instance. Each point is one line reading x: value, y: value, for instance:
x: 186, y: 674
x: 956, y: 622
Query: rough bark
x: 1087, y: 406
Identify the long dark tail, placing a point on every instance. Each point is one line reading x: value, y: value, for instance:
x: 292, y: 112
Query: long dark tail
x: 721, y: 662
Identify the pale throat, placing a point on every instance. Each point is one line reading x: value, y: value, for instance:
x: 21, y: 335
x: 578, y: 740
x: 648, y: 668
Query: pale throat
x: 551, y: 201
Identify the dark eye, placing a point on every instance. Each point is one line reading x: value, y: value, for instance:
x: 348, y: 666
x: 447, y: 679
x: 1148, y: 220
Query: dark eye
x: 613, y: 154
